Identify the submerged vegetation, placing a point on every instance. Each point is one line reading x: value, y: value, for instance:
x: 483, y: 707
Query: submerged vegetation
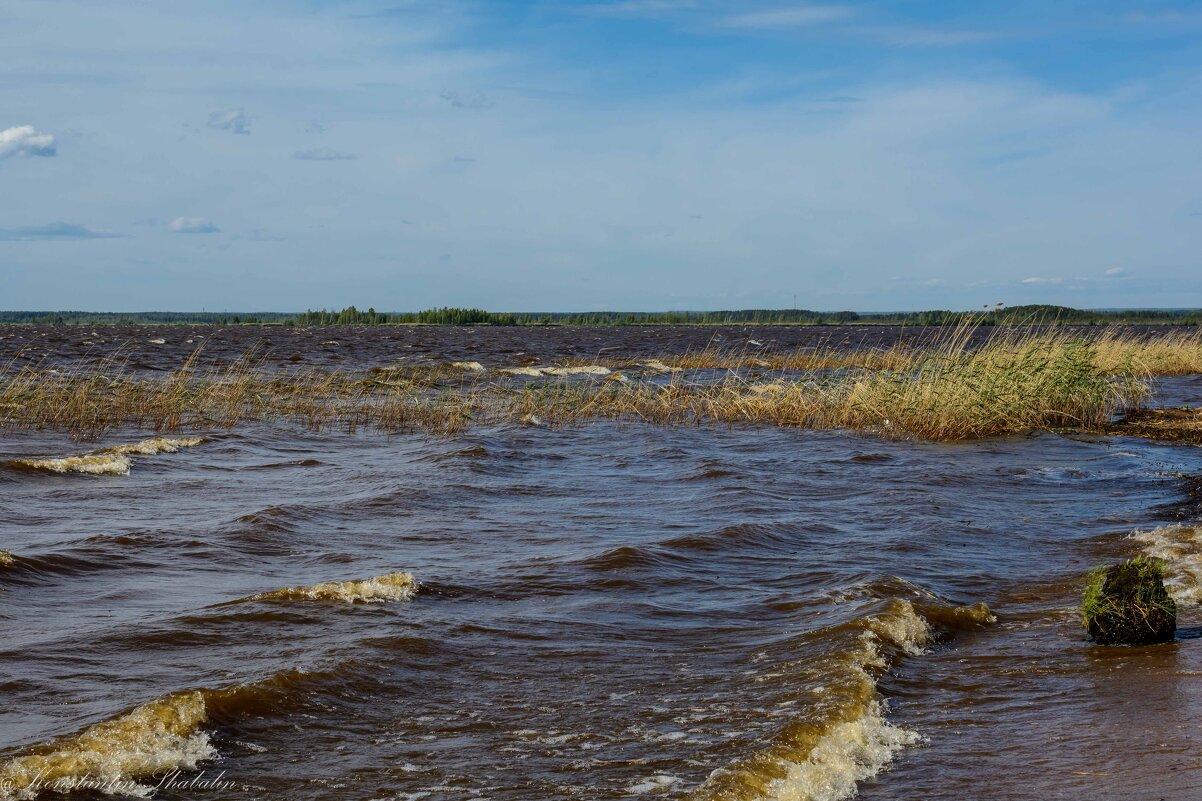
x: 1017, y: 380
x: 1017, y: 315
x: 1127, y: 604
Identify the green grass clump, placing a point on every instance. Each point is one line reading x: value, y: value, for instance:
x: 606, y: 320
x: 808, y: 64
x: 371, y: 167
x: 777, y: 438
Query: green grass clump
x: 1127, y: 604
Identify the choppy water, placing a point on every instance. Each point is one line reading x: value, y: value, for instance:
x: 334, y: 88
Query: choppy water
x: 164, y: 347
x: 597, y: 613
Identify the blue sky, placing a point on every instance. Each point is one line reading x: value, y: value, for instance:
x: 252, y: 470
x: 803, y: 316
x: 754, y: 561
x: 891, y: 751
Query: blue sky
x: 612, y: 154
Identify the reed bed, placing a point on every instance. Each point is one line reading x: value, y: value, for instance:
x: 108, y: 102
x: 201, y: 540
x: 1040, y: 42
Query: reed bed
x: 1172, y: 353
x: 1014, y: 383
x: 1115, y: 351
x: 956, y: 388
x: 88, y: 403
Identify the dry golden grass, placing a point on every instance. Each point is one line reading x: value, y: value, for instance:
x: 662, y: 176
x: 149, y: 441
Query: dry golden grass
x: 87, y: 403
x: 1117, y: 351
x: 1009, y: 385
x: 955, y: 388
x: 1170, y: 353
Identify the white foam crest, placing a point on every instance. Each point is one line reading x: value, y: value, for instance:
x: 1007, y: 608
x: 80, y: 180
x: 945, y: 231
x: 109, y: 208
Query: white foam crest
x: 112, y: 461
x: 534, y: 372
x: 113, y: 755
x: 845, y: 756
x: 389, y: 587
x: 6, y: 558
x: 826, y: 759
x: 102, y: 463
x: 1180, y: 548
x: 589, y: 369
x: 156, y: 445
x: 474, y: 367
x: 660, y: 781
x: 904, y: 628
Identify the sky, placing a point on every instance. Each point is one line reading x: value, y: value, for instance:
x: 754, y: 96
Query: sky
x: 278, y: 155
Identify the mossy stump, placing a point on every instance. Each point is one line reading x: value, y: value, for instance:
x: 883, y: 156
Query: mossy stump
x: 1127, y: 604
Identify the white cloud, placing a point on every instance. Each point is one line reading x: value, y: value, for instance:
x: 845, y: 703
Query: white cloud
x: 1040, y: 280
x: 24, y: 140
x: 193, y: 225
x: 323, y: 154
x: 1113, y: 271
x: 234, y: 120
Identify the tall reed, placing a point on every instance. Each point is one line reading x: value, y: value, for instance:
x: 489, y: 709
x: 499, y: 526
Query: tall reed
x: 956, y: 388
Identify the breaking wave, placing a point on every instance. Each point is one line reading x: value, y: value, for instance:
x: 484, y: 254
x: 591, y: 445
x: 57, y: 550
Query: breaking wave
x: 112, y: 461
x: 157, y: 445
x: 1180, y: 548
x: 113, y: 755
x: 389, y: 587
x: 844, y: 737
x: 97, y: 464
x: 534, y: 372
x: 655, y: 365
x: 6, y: 558
x: 117, y: 755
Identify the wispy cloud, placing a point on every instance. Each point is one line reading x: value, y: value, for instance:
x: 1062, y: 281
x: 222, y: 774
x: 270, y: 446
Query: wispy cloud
x: 909, y: 36
x: 778, y: 18
x: 193, y: 225
x: 54, y: 231
x: 639, y: 8
x: 24, y: 140
x: 474, y: 101
x: 234, y: 120
x: 1042, y: 280
x: 323, y: 154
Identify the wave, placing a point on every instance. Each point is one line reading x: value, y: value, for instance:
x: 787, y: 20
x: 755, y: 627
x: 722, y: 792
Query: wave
x: 844, y: 737
x: 657, y: 366
x: 1180, y: 548
x: 167, y: 734
x: 389, y: 587
x: 534, y: 372
x: 113, y: 755
x: 591, y: 369
x: 112, y: 461
x: 689, y: 547
x: 96, y: 464
x: 157, y: 445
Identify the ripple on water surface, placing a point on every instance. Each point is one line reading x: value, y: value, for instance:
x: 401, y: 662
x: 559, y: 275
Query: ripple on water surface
x: 605, y: 612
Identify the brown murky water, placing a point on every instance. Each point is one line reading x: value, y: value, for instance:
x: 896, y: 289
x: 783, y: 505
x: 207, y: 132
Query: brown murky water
x: 598, y: 613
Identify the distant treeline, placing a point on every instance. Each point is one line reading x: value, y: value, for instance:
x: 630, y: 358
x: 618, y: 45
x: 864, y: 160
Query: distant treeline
x: 456, y: 316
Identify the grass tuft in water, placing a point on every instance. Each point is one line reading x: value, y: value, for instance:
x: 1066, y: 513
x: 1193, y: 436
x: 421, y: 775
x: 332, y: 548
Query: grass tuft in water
x: 1127, y: 604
